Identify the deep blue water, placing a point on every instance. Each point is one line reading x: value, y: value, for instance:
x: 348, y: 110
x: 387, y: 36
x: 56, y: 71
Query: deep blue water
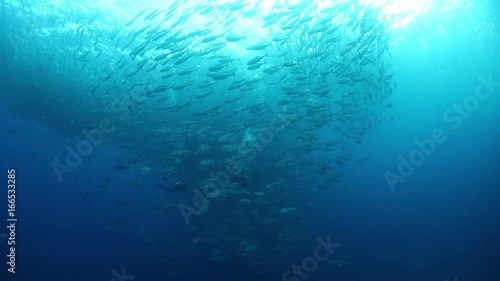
x: 441, y: 223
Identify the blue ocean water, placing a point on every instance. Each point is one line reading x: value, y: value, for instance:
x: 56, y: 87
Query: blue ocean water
x: 391, y: 174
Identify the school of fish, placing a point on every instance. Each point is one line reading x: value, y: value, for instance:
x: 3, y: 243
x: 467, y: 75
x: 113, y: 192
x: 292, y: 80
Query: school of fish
x: 274, y: 98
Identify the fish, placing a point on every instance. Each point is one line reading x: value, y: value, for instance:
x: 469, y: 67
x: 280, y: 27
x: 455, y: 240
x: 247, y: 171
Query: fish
x: 259, y: 47
x: 234, y: 38
x: 255, y: 66
x: 217, y: 67
x: 256, y: 59
x: 259, y: 100
x: 210, y: 38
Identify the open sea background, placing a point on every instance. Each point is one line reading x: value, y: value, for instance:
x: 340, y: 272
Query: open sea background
x: 441, y: 223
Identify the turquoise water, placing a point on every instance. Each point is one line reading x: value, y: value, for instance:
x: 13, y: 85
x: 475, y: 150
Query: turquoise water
x: 250, y: 140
